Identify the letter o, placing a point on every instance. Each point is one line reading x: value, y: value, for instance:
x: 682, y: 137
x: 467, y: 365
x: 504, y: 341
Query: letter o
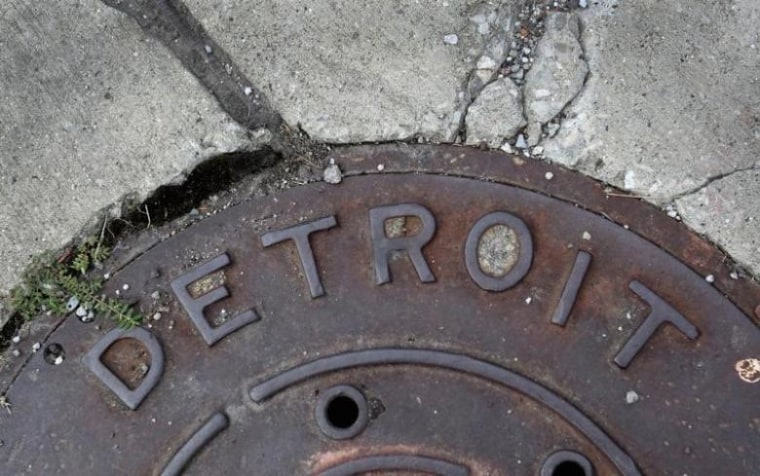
x: 524, y: 259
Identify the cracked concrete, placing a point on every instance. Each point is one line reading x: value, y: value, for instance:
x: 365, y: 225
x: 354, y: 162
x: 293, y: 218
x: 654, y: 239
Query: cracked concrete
x: 496, y: 114
x: 344, y: 76
x: 672, y: 102
x: 670, y: 109
x: 558, y: 74
x: 668, y: 82
x: 91, y: 110
x: 727, y: 210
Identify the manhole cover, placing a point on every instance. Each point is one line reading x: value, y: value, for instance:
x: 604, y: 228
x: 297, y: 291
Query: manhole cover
x: 441, y: 311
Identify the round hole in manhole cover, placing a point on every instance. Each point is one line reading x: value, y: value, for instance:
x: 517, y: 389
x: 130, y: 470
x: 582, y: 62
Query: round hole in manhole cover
x: 451, y: 312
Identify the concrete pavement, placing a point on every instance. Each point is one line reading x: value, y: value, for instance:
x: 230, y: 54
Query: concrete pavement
x: 658, y: 98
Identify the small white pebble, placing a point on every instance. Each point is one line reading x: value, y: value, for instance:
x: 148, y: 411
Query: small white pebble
x: 486, y: 63
x: 107, y: 276
x: 549, y: 175
x: 586, y: 236
x: 157, y: 316
x: 117, y: 292
x: 155, y: 295
x: 36, y: 347
x: 528, y: 300
x: 631, y: 397
x: 451, y: 39
x: 208, y: 49
x: 247, y: 90
x: 710, y: 278
x: 16, y: 339
x: 125, y: 287
x: 16, y: 353
x: 332, y: 173
x: 380, y: 167
x: 734, y: 275
x: 72, y: 303
x: 672, y: 213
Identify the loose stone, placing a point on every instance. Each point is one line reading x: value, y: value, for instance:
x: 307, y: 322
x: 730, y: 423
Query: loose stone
x: 631, y: 397
x: 72, y: 303
x: 332, y: 173
x: 451, y: 39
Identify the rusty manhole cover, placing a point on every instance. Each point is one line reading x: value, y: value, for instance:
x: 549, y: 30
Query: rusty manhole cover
x: 466, y: 318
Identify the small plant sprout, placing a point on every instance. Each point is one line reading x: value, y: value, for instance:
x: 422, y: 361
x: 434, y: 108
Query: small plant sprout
x: 59, y: 286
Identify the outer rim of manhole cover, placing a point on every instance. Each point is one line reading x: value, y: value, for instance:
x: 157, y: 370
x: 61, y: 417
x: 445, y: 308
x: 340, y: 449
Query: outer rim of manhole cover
x: 342, y: 382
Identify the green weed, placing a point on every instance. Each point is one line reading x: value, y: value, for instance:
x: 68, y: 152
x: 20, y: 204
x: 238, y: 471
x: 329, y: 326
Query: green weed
x: 50, y: 284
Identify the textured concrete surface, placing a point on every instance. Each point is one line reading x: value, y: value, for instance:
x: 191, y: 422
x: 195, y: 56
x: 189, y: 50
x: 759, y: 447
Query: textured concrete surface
x: 90, y: 110
x: 362, y: 71
x: 673, y: 98
x: 672, y: 101
x: 558, y: 73
x: 496, y: 114
x: 728, y: 210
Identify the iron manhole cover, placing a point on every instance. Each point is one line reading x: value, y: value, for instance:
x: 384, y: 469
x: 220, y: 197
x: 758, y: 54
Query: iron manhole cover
x: 442, y: 311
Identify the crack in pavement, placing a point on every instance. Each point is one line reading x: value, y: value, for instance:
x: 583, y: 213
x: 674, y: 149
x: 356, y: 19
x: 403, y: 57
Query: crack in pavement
x: 538, y: 24
x: 555, y: 70
x: 472, y: 85
x: 174, y: 26
x: 709, y: 181
x: 561, y: 115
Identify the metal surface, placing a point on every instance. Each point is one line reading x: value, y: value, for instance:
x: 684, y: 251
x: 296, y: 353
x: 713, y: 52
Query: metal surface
x: 298, y: 336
